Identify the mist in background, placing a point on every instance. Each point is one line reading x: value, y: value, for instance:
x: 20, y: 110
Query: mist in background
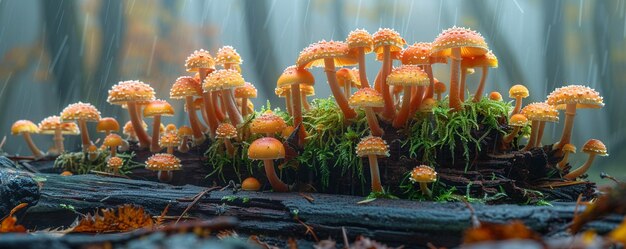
x: 54, y: 53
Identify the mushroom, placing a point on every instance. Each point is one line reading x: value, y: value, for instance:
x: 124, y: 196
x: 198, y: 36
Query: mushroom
x: 329, y: 54
x: 517, y: 121
x: 155, y: 109
x: 464, y: 73
x: 424, y: 175
x: 419, y: 54
x: 518, y: 92
x: 268, y: 123
x: 567, y: 149
x: 107, y: 125
x: 570, y: 98
x: 485, y: 62
x: 226, y: 132
x: 25, y: 128
x: 360, y: 42
x: 395, y: 55
x: 186, y: 87
x: 132, y: 93
x: 245, y: 92
x: 345, y: 79
x: 53, y: 125
x: 224, y: 80
x: 372, y: 148
x: 115, y: 163
x: 407, y: 76
x: 66, y: 173
x: 184, y: 132
x: 164, y: 164
x: 228, y: 57
x: 170, y: 128
x: 82, y: 113
x: 202, y: 62
x: 368, y: 98
x: 592, y: 147
x: 198, y: 104
x: 250, y: 184
x: 538, y: 113
x: 92, y: 152
x: 129, y: 131
x: 269, y: 149
x: 287, y: 132
x: 387, y: 41
x: 457, y: 43
x: 495, y: 96
x: 305, y: 91
x: 169, y: 140
x: 293, y: 77
x: 440, y: 88
x: 427, y: 105
x: 113, y: 141
x: 284, y: 92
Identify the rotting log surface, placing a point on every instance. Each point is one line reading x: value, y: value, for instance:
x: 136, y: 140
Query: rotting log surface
x: 271, y: 214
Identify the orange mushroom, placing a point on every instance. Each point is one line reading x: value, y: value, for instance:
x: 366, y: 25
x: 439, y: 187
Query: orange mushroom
x: 518, y: 92
x: 169, y: 140
x: 164, y: 164
x: 284, y: 92
x: 245, y: 92
x: 567, y: 150
x: 268, y: 123
x: 115, y: 163
x: 484, y: 62
x: 155, y: 109
x: 305, y: 91
x: 538, y: 113
x: 225, y: 80
x: 293, y: 77
x: 226, y: 132
x: 517, y: 121
x: 419, y: 54
x: 132, y: 93
x: 82, y: 113
x: 186, y: 87
x: 372, y: 148
x: 184, y: 132
x: 407, y: 76
x: 495, y: 96
x: 368, y: 98
x: 345, y: 79
x: 53, y: 125
x: 107, y: 125
x: 129, y: 131
x: 360, y: 42
x: 592, y: 147
x: 440, y: 88
x: 228, y: 57
x: 387, y: 41
x: 25, y: 128
x: 250, y: 184
x: 423, y: 175
x: 202, y: 62
x: 113, y: 141
x: 269, y: 149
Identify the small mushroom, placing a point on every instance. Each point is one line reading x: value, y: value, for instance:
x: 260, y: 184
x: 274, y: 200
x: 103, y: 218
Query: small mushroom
x: 427, y: 105
x: 268, y: 123
x: 269, y: 149
x: 66, y: 173
x: 305, y: 91
x: 345, y: 79
x: 92, y: 152
x: 164, y: 164
x: 372, y: 148
x: 115, y: 163
x: 368, y: 98
x: 518, y: 92
x: 440, y: 88
x: 408, y: 76
x: 184, y: 132
x: 25, y: 128
x: 244, y: 93
x: 107, y: 125
x: 155, y: 109
x: 113, y: 141
x: 250, y: 184
x: 169, y: 140
x: 53, y: 125
x: 82, y: 113
x: 592, y: 147
x: 567, y: 150
x: 424, y: 175
x: 226, y: 132
x: 360, y: 42
x: 517, y: 121
x: 538, y: 113
x: 486, y: 61
x: 495, y: 96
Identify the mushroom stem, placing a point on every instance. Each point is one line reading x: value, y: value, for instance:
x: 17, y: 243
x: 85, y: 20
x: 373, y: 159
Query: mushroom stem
x: 165, y: 176
x: 425, y: 190
x: 135, y: 120
x: 375, y: 175
x: 509, y: 137
x: 244, y: 107
x: 389, y: 111
x: 288, y: 104
x: 170, y: 150
x: 84, y: 134
x: 438, y: 96
x: 462, y: 87
x: 570, y: 113
x: 416, y: 100
x: 116, y: 171
x: 403, y: 114
x: 33, y: 148
x: 277, y: 184
x: 534, y: 127
x: 193, y: 121
x: 305, y: 102
x: 206, y: 121
x: 431, y: 77
x: 210, y: 112
x: 342, y: 101
x: 113, y: 151
x: 542, y: 126
x: 231, y: 107
x: 230, y: 149
x: 372, y: 121
x: 563, y: 161
x: 218, y: 106
x: 297, y: 111
x: 481, y: 86
x: 582, y: 169
x: 378, y: 88
x: 58, y: 139
x: 156, y: 125
x: 518, y: 105
x: 362, y: 72
x: 184, y: 146
x: 455, y: 67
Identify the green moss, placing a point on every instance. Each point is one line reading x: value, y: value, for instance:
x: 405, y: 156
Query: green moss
x: 77, y: 162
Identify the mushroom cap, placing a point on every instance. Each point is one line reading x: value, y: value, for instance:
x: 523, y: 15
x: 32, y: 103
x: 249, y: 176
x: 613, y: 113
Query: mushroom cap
x: 360, y: 38
x: 287, y: 131
x: 372, y: 146
x: 246, y: 91
x: 281, y: 91
x: 307, y: 90
x: 266, y: 148
x: 113, y: 140
x: 129, y: 130
x: 115, y: 162
x: 595, y: 146
x: 518, y: 120
x: 185, y: 86
x: 495, y: 96
x: 357, y: 79
x: 169, y: 139
x: 314, y: 54
x: 582, y: 96
x: 48, y: 126
x: 223, y: 79
x: 163, y: 162
x: 423, y: 174
x: 66, y: 173
x: 267, y: 123
x: 80, y: 111
x: 540, y: 111
x: 518, y: 91
x: 158, y: 107
x: 394, y: 55
x: 131, y: 90
x: 486, y: 60
x: 226, y: 131
x: 295, y: 75
x: 440, y: 87
x: 408, y: 75
x: 185, y: 131
x: 569, y: 148
x: 346, y: 74
x: 92, y: 149
x: 427, y: 105
x: 387, y: 37
x: 250, y: 184
x: 366, y: 97
x: 170, y: 128
x: 470, y: 42
x: 228, y: 55
x: 419, y: 54
x: 199, y: 59
x: 24, y: 126
x: 107, y: 124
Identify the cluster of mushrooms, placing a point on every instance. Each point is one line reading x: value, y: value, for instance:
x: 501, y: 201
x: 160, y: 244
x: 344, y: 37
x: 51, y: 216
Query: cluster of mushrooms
x: 397, y: 94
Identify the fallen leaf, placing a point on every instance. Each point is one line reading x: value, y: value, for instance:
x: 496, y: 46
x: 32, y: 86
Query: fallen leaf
x: 126, y: 218
x: 496, y: 232
x: 8, y: 225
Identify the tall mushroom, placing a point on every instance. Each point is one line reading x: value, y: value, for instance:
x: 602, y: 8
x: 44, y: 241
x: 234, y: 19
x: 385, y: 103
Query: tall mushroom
x: 186, y: 87
x: 169, y: 140
x: 224, y: 80
x: 567, y: 150
x: 423, y: 175
x: 517, y: 121
x: 269, y: 149
x: 537, y: 113
x: 570, y: 98
x: 202, y: 62
x: 228, y: 57
x: 226, y: 132
x: 329, y: 54
x: 407, y: 76
x: 245, y: 92
x: 81, y: 113
x: 368, y: 98
x: 293, y: 77
x: 132, y: 93
x: 53, y: 125
x: 387, y: 41
x: 484, y: 62
x: 360, y: 42
x: 456, y: 43
x: 592, y: 147
x: 518, y: 92
x: 419, y: 54
x: 373, y: 148
x: 25, y: 128
x: 155, y: 109
x: 164, y: 164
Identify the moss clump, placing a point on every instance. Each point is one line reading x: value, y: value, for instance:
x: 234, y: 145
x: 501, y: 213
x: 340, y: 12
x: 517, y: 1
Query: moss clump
x: 77, y: 162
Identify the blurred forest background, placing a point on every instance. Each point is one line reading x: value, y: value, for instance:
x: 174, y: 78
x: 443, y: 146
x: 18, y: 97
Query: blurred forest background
x: 56, y: 52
